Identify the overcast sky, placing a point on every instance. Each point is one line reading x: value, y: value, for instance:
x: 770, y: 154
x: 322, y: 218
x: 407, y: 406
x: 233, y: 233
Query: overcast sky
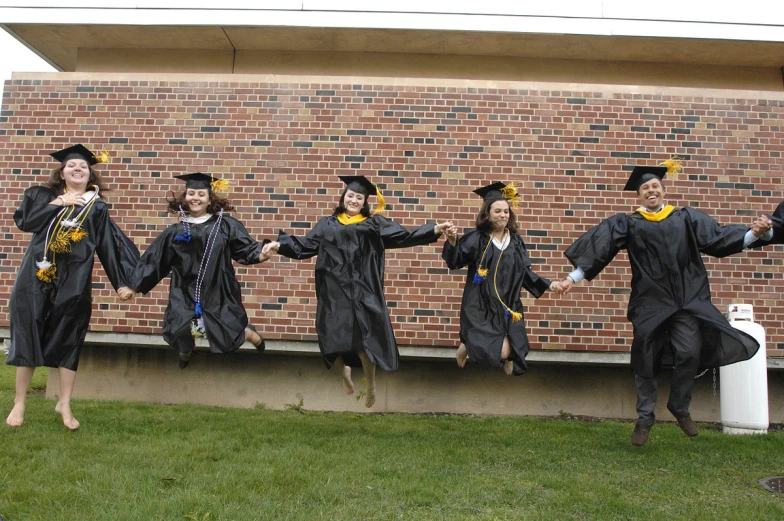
x: 17, y: 57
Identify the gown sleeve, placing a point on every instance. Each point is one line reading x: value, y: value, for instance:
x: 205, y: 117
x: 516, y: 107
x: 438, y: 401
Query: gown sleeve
x: 464, y: 252
x: 778, y: 225
x: 244, y: 248
x: 395, y: 236
x: 712, y: 238
x: 306, y: 247
x: 117, y: 253
x: 35, y: 213
x: 155, y: 264
x: 535, y: 284
x: 599, y: 245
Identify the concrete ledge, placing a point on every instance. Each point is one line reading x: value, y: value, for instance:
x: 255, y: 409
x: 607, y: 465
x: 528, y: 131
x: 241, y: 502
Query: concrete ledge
x: 294, y: 348
x: 247, y: 379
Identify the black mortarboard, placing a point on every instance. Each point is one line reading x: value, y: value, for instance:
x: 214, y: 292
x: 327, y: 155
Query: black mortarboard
x: 643, y: 174
x: 360, y: 184
x: 491, y: 192
x: 81, y: 152
x: 201, y: 181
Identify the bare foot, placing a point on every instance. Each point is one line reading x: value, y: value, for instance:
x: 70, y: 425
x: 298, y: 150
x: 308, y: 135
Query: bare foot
x: 370, y: 397
x: 348, y: 384
x: 508, y: 367
x: 68, y: 418
x: 16, y: 416
x: 461, y: 355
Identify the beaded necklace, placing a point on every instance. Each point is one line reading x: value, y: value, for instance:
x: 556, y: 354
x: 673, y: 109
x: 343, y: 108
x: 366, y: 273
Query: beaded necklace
x: 198, y: 329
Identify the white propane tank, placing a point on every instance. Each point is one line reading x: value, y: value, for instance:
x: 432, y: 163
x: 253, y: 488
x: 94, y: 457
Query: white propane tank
x: 744, y: 385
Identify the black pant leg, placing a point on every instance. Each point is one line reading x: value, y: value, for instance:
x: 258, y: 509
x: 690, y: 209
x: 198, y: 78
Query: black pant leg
x: 686, y: 340
x: 647, y: 393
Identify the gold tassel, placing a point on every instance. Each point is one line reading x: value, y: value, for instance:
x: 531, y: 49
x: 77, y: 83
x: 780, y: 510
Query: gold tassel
x: 77, y: 234
x: 483, y: 272
x: 220, y: 186
x: 673, y: 165
x: 509, y: 192
x: 515, y: 316
x: 46, y: 274
x: 62, y: 242
x: 382, y: 204
x: 101, y: 157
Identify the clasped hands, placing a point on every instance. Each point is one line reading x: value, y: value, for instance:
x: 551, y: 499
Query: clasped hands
x: 761, y: 225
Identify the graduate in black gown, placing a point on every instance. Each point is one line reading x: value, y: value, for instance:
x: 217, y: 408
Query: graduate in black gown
x: 670, y: 304
x: 352, y: 320
x: 492, y: 329
x: 51, y: 301
x: 204, y: 295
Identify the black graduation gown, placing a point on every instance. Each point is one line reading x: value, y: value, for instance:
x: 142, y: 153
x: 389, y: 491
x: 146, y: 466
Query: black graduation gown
x: 668, y: 275
x: 483, y: 320
x: 224, y: 315
x: 351, y: 314
x: 49, y: 320
x: 778, y: 227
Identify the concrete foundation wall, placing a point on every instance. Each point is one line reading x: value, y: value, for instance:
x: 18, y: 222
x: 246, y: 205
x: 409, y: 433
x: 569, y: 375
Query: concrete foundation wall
x: 247, y: 379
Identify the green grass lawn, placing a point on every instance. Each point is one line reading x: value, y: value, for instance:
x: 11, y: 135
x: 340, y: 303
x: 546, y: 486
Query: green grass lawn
x: 133, y: 461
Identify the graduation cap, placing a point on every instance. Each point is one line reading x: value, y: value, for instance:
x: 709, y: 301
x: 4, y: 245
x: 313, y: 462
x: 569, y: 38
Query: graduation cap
x: 643, y: 174
x: 498, y: 190
x: 362, y: 185
x: 202, y: 181
x: 81, y: 152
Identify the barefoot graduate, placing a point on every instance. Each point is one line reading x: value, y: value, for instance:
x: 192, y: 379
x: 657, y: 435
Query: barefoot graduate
x: 492, y: 329
x: 51, y: 302
x: 352, y: 320
x: 204, y: 294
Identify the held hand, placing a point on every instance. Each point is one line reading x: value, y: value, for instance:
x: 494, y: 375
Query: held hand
x: 270, y: 248
x: 125, y: 293
x: 442, y: 227
x: 451, y: 234
x: 566, y: 285
x: 761, y: 225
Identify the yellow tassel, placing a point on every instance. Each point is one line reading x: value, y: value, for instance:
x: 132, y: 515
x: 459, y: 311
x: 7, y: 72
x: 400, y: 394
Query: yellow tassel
x: 77, y: 234
x: 673, y: 165
x: 515, y: 316
x: 46, y: 274
x: 482, y: 272
x: 382, y: 204
x: 101, y: 157
x: 62, y: 242
x: 220, y: 186
x: 509, y: 192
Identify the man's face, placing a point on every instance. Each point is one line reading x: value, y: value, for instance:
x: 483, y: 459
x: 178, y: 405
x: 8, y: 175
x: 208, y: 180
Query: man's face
x: 651, y: 195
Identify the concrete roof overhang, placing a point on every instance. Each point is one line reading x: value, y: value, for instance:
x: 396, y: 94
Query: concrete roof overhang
x: 602, y: 31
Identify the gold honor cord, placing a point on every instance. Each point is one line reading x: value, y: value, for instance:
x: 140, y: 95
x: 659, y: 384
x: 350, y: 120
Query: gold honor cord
x: 481, y: 274
x: 63, y: 231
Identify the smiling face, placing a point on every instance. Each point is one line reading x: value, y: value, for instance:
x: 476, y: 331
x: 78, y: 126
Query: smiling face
x: 197, y: 200
x: 76, y: 174
x: 353, y: 202
x: 651, y: 195
x: 499, y: 214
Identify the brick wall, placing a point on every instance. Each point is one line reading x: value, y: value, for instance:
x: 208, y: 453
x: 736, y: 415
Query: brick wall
x: 283, y: 144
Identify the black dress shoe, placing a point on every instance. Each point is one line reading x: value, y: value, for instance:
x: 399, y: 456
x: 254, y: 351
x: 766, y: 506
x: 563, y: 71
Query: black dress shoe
x: 687, y: 425
x: 261, y: 346
x: 185, y: 359
x: 640, y: 434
